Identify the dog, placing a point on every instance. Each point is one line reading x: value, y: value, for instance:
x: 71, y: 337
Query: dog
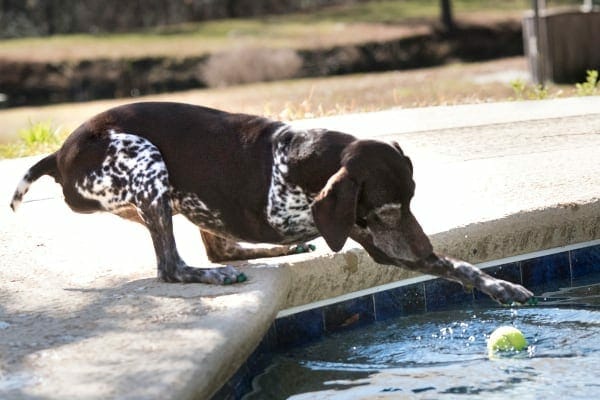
x: 245, y: 178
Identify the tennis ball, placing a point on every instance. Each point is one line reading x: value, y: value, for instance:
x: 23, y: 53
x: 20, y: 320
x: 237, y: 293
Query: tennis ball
x: 506, y: 338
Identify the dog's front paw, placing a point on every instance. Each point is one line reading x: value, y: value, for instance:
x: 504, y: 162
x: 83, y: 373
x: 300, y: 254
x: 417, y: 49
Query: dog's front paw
x: 506, y: 292
x: 217, y: 276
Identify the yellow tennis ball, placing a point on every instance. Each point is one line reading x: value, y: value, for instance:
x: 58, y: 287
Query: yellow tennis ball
x: 506, y: 338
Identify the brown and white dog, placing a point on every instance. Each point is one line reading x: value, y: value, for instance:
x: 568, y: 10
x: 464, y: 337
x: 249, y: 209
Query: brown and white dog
x: 246, y: 178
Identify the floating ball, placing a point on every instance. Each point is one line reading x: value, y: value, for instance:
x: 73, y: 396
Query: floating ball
x: 506, y: 338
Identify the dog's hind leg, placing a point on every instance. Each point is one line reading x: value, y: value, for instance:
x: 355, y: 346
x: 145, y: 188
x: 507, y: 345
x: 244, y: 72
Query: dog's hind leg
x: 133, y: 177
x: 171, y: 268
x: 222, y: 249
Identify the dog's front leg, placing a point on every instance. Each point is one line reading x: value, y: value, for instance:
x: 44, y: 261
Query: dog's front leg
x: 171, y: 268
x: 462, y: 272
x: 470, y: 277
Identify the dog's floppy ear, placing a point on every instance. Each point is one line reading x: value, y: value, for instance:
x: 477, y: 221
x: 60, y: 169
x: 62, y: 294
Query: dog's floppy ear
x: 334, y: 210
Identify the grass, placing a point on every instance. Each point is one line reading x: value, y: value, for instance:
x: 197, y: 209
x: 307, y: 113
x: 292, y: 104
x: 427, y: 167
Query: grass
x: 205, y: 39
x: 37, y: 138
x: 590, y: 86
x: 361, y: 22
x: 398, y: 11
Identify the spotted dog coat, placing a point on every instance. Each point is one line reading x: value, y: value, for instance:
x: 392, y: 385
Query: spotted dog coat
x: 243, y: 178
x: 132, y: 173
x: 288, y: 207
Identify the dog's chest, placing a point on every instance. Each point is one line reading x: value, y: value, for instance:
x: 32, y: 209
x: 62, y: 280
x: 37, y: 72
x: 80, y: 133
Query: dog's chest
x: 288, y: 206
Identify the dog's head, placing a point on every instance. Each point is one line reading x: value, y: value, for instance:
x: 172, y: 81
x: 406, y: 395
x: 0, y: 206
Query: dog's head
x: 368, y: 199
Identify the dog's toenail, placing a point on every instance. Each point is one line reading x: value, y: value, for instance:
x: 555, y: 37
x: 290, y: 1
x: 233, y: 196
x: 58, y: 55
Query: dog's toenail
x: 312, y: 247
x: 242, y: 278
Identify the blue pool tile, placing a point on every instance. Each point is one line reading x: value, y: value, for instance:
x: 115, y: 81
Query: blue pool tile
x: 227, y: 392
x: 262, y: 355
x: 388, y: 304
x: 269, y: 341
x: 349, y: 314
x: 299, y: 328
x: 238, y: 385
x: 404, y: 300
x: 547, y: 274
x: 510, y: 272
x: 585, y: 261
x: 441, y: 294
x: 241, y: 382
x: 414, y: 299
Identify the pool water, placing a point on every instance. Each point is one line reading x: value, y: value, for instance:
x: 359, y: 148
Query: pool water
x: 444, y: 355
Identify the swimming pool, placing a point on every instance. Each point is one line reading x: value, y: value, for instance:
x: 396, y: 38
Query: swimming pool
x: 427, y: 339
x: 443, y: 354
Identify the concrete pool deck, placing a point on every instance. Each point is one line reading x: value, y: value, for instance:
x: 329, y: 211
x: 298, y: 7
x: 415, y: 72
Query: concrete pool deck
x: 81, y: 315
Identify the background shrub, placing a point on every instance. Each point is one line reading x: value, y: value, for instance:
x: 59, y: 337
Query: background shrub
x: 251, y: 64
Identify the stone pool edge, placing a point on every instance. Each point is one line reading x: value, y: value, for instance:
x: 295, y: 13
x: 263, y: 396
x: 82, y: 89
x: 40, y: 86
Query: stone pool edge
x: 332, y: 275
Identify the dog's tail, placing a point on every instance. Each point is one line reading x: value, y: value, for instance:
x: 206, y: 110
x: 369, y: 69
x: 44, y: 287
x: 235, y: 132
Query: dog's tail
x: 46, y: 166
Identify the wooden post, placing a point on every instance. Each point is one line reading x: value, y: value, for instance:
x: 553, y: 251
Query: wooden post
x: 562, y: 45
x: 538, y: 47
x: 447, y: 19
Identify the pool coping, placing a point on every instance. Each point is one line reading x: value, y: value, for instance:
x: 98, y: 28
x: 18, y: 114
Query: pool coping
x: 423, y: 278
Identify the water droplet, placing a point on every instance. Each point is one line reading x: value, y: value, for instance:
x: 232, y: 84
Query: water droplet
x: 447, y: 331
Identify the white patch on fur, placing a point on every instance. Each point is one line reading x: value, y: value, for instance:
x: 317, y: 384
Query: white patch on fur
x: 389, y: 207
x: 288, y: 206
x: 389, y: 213
x: 133, y: 172
x: 20, y: 191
